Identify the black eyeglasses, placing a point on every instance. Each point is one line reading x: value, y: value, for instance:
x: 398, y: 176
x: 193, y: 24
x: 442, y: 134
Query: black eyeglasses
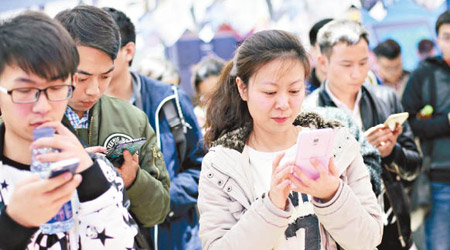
x: 31, y: 95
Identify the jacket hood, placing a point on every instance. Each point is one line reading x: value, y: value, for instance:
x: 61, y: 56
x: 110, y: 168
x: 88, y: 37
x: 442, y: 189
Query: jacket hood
x: 237, y: 138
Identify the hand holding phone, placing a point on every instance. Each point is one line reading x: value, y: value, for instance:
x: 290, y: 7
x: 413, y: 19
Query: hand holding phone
x: 395, y: 119
x: 61, y: 167
x: 115, y: 154
x: 317, y: 144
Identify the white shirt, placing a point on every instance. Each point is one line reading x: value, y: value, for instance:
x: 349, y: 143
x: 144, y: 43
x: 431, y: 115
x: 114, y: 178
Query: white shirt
x: 261, y: 169
x: 355, y: 113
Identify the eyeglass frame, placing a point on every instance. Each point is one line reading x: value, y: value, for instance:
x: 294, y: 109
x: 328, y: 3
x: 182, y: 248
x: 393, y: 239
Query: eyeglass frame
x: 69, y: 94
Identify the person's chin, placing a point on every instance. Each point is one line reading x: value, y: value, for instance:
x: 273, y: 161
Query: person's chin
x: 82, y: 106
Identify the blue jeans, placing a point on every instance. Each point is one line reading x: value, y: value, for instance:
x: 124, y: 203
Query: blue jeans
x: 437, y: 225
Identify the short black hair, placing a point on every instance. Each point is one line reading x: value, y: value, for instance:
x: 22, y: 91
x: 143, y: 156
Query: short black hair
x: 444, y: 18
x: 126, y: 27
x: 315, y: 29
x: 389, y: 49
x: 92, y: 27
x: 38, y: 45
x: 425, y: 46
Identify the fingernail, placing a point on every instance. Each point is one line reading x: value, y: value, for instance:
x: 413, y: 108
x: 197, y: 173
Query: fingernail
x: 68, y: 176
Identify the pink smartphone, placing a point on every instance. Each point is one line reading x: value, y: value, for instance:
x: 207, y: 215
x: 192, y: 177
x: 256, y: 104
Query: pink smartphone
x: 316, y: 144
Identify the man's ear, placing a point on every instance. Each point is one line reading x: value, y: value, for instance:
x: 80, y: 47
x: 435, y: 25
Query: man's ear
x: 242, y: 88
x: 75, y: 79
x: 323, y: 62
x: 129, y: 50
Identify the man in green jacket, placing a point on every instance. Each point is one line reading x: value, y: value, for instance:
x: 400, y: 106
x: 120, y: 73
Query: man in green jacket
x: 100, y: 120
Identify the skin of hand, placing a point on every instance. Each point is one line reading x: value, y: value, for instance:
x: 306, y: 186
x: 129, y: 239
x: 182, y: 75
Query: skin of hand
x: 68, y: 145
x: 280, y: 183
x: 323, y: 188
x: 129, y: 168
x: 96, y: 150
x: 35, y: 201
x: 383, y: 138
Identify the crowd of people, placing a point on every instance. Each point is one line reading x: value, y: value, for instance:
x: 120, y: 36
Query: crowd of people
x: 222, y: 174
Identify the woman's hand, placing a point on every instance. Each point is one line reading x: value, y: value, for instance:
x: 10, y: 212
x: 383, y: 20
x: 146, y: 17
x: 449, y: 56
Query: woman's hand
x: 280, y: 185
x: 324, y: 187
x: 67, y: 143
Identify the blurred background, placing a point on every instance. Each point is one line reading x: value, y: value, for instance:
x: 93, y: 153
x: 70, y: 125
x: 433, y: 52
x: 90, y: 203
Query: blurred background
x: 182, y: 32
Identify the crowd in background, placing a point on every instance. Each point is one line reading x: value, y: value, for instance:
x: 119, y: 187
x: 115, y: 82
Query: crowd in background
x: 218, y: 170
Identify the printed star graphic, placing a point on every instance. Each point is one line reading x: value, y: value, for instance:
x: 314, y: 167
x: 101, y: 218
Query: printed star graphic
x: 4, y: 185
x: 103, y: 237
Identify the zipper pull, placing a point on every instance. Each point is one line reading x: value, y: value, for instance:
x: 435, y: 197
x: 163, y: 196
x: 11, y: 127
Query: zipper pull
x: 154, y: 156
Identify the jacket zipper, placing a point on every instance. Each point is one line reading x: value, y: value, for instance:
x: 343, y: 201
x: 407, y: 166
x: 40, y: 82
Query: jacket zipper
x: 154, y: 161
x: 90, y: 131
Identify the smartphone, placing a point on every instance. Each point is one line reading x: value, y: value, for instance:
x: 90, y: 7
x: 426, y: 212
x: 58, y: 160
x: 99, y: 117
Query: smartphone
x: 61, y: 167
x: 395, y: 119
x: 115, y: 154
x: 318, y: 144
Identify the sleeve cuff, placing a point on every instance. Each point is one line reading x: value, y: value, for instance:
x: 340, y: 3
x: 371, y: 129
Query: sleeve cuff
x: 14, y: 235
x: 390, y: 158
x: 133, y: 189
x: 273, y: 214
x: 318, y: 203
x: 94, y: 183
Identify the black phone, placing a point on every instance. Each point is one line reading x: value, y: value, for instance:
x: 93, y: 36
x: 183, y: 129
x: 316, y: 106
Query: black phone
x: 61, y: 167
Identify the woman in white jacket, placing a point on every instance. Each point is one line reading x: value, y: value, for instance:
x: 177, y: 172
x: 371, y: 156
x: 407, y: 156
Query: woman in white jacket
x: 251, y: 195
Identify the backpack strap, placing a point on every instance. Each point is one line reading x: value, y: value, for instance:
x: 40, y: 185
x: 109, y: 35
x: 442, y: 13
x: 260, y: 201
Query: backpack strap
x: 178, y: 125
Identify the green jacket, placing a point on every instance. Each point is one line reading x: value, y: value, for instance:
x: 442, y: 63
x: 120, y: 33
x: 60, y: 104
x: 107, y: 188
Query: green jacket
x: 112, y: 119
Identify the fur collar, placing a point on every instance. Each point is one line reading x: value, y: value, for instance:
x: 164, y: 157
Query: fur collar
x: 236, y: 139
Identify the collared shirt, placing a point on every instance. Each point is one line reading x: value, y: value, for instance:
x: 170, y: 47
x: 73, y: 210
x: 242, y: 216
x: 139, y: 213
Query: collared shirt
x: 355, y: 112
x: 75, y: 120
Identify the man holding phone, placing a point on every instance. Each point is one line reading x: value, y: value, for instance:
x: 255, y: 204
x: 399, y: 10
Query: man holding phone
x: 100, y: 120
x: 38, y: 61
x: 181, y: 145
x: 426, y: 98
x: 345, y: 56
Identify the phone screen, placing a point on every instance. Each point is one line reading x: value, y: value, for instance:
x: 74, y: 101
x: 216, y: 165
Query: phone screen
x: 64, y: 166
x: 116, y: 153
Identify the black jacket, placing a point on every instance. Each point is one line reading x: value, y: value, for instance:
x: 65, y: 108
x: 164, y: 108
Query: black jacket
x: 377, y: 103
x: 429, y: 84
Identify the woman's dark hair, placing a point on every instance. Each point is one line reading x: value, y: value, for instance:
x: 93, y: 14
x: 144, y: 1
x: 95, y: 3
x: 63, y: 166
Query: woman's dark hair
x: 38, y: 45
x: 226, y: 111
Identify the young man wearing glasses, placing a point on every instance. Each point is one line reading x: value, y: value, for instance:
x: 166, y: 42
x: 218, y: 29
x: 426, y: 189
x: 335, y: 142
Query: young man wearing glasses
x: 101, y: 120
x: 38, y: 61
